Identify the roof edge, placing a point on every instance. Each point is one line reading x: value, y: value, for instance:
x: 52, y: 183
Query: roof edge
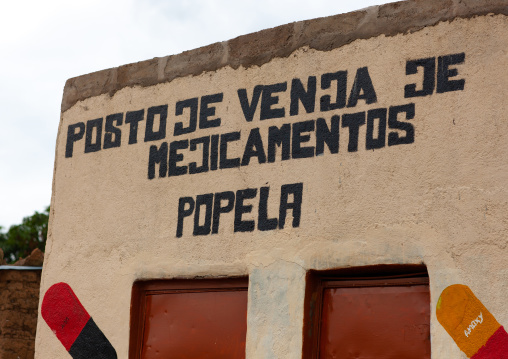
x: 258, y: 48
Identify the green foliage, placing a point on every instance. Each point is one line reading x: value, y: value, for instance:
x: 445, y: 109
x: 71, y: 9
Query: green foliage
x: 21, y: 239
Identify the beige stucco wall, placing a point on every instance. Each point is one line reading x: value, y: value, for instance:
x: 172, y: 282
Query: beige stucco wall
x: 440, y: 200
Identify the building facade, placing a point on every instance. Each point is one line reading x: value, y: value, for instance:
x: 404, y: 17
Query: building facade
x: 306, y: 187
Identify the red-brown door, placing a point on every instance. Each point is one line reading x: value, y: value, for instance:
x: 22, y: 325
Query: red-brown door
x: 384, y: 322
x: 192, y: 319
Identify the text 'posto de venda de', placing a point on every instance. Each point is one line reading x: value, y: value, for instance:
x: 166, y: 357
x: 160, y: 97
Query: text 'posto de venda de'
x: 293, y: 140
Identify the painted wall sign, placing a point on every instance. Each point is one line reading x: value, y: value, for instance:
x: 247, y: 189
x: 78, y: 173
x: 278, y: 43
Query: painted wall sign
x: 287, y: 141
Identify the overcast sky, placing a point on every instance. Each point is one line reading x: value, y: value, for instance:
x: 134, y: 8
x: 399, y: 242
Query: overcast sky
x: 46, y: 42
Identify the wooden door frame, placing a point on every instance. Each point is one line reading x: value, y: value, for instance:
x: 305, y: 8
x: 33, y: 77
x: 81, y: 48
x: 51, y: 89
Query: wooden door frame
x: 368, y: 276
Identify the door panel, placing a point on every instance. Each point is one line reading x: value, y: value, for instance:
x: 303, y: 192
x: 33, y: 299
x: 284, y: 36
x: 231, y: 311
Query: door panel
x: 195, y: 325
x: 385, y: 322
x: 191, y: 319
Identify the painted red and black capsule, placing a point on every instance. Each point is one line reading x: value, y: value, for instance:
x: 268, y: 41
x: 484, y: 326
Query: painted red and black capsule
x: 73, y: 326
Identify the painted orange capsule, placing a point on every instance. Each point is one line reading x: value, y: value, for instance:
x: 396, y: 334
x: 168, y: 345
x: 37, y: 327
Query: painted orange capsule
x: 474, y: 329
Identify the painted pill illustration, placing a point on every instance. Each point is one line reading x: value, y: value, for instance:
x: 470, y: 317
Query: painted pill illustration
x: 73, y: 326
x: 473, y: 328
